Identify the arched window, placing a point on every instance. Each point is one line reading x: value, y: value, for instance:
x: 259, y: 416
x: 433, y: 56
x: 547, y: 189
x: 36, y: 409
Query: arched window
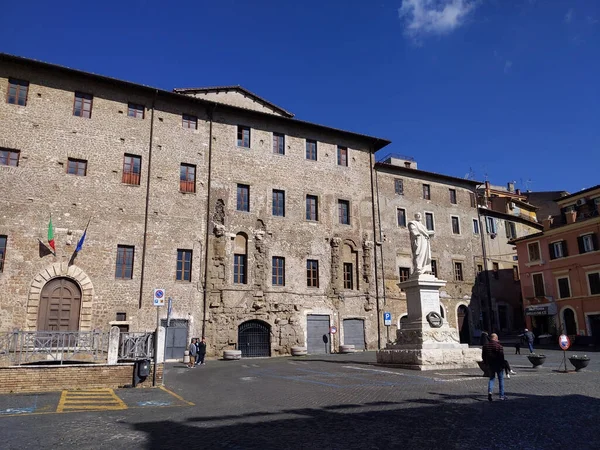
x: 570, y: 326
x: 240, y: 259
x: 350, y: 259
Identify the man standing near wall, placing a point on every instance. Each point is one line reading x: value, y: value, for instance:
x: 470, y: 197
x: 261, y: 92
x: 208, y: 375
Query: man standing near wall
x: 201, y: 351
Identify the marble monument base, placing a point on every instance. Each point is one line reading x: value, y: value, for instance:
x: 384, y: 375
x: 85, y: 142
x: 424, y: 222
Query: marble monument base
x: 421, y: 346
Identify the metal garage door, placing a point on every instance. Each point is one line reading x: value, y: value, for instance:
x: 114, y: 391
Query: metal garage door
x: 318, y: 334
x: 354, y: 333
x: 176, y: 338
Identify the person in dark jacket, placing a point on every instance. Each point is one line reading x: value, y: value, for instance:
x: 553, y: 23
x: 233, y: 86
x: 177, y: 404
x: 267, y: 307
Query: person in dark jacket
x: 200, y: 351
x: 485, y: 338
x: 529, y: 337
x: 492, y: 354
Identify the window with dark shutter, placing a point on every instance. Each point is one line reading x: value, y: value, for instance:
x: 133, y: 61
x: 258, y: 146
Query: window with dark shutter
x: 551, y: 250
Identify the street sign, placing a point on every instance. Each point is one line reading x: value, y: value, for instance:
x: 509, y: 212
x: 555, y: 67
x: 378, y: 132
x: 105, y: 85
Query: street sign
x: 387, y: 319
x: 564, y: 342
x: 333, y: 329
x: 159, y: 297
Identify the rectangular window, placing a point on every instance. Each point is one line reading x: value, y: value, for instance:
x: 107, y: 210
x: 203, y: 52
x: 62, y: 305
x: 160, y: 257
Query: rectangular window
x: 564, y: 290
x: 312, y: 273
x: 187, y: 178
x: 593, y: 280
x: 9, y: 157
x: 124, y: 262
x: 132, y: 169
x: 458, y: 271
x: 434, y: 268
x: 189, y: 121
x: 17, y: 92
x: 475, y: 226
x: 348, y: 278
x: 534, y: 251
x: 77, y: 167
x: 243, y: 197
x: 278, y: 203
x: 453, y: 196
x: 472, y: 199
x: 455, y: 225
x: 496, y: 270
x: 516, y: 275
x: 2, y: 252
x: 279, y: 144
x: 401, y: 213
x: 399, y: 186
x: 135, y: 110
x: 278, y: 271
x: 404, y: 273
x: 311, y: 150
x: 426, y: 192
x: 429, y: 221
x: 344, y: 212
x: 342, y: 156
x: 490, y: 225
x: 239, y: 269
x: 184, y: 265
x: 312, y: 207
x: 558, y: 249
x: 82, y: 106
x: 587, y: 243
x: 511, y: 229
x: 243, y: 136
x: 538, y: 285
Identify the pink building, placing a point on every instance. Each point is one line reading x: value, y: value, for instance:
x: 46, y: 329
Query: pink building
x: 560, y: 269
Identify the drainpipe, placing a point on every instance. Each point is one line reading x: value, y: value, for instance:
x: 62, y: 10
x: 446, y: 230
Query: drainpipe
x: 147, y: 202
x: 207, y: 232
x: 375, y: 254
x: 490, y: 322
x: 381, y: 249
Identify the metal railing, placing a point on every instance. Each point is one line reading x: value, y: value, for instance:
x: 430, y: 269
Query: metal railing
x: 25, y: 347
x: 136, y: 345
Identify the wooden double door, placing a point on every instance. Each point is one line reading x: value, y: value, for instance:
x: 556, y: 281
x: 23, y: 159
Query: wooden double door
x: 60, y: 306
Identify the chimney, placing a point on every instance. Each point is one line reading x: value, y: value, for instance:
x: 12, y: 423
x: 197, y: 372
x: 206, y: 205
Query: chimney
x: 510, y: 186
x: 487, y: 184
x: 547, y: 223
x: 571, y: 216
x: 518, y: 191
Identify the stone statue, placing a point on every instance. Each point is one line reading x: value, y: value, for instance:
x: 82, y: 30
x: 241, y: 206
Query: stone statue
x: 420, y: 245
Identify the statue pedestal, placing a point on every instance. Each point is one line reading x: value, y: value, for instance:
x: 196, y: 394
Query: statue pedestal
x: 424, y: 344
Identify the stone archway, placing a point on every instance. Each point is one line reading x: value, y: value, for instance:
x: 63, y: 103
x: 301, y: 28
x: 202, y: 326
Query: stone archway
x: 60, y: 270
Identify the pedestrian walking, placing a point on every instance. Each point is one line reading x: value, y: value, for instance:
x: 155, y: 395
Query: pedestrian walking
x: 193, y: 352
x: 492, y: 354
x: 518, y: 347
x: 529, y: 338
x: 201, y: 351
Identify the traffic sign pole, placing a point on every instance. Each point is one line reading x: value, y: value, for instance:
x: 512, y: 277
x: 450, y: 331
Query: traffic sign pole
x: 564, y: 343
x: 159, y: 300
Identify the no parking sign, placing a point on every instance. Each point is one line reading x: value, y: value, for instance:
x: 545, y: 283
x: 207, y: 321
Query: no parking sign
x: 564, y: 342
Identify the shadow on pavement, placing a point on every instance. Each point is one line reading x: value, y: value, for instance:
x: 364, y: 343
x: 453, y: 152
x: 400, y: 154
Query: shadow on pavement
x: 448, y: 421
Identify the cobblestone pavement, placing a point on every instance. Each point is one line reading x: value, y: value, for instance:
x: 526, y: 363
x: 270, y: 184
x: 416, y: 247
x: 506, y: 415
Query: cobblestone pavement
x: 329, y: 402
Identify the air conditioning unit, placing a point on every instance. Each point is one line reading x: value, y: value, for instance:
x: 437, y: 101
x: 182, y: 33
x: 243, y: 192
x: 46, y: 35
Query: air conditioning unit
x: 511, y: 205
x: 581, y: 201
x: 597, y: 200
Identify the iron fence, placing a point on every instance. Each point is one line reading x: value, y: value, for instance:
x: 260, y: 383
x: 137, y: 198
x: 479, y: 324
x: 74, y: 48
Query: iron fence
x: 136, y: 345
x: 23, y: 347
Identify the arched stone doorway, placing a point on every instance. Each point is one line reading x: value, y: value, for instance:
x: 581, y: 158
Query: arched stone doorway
x: 254, y: 339
x: 570, y: 326
x: 60, y: 306
x: 462, y: 315
x: 41, y: 285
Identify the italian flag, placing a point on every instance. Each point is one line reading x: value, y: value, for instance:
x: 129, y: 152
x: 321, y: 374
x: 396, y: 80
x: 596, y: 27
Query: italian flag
x: 51, y: 235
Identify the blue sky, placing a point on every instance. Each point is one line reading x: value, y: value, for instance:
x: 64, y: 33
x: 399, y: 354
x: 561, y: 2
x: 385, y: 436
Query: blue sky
x: 504, y: 89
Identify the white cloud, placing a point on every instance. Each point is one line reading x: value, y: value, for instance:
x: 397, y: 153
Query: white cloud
x: 507, y: 65
x: 569, y: 16
x: 430, y: 17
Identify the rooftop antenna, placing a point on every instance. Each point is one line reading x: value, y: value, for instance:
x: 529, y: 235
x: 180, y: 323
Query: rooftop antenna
x: 470, y: 175
x: 527, y: 183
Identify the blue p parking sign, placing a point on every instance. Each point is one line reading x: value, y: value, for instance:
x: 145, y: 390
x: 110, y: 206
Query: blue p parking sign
x: 387, y: 319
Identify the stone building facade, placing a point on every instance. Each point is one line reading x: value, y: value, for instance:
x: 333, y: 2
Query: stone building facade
x: 448, y: 207
x: 258, y: 226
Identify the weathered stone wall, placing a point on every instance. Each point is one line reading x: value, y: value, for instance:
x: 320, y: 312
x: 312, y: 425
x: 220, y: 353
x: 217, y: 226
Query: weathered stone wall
x: 47, y: 134
x: 446, y: 247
